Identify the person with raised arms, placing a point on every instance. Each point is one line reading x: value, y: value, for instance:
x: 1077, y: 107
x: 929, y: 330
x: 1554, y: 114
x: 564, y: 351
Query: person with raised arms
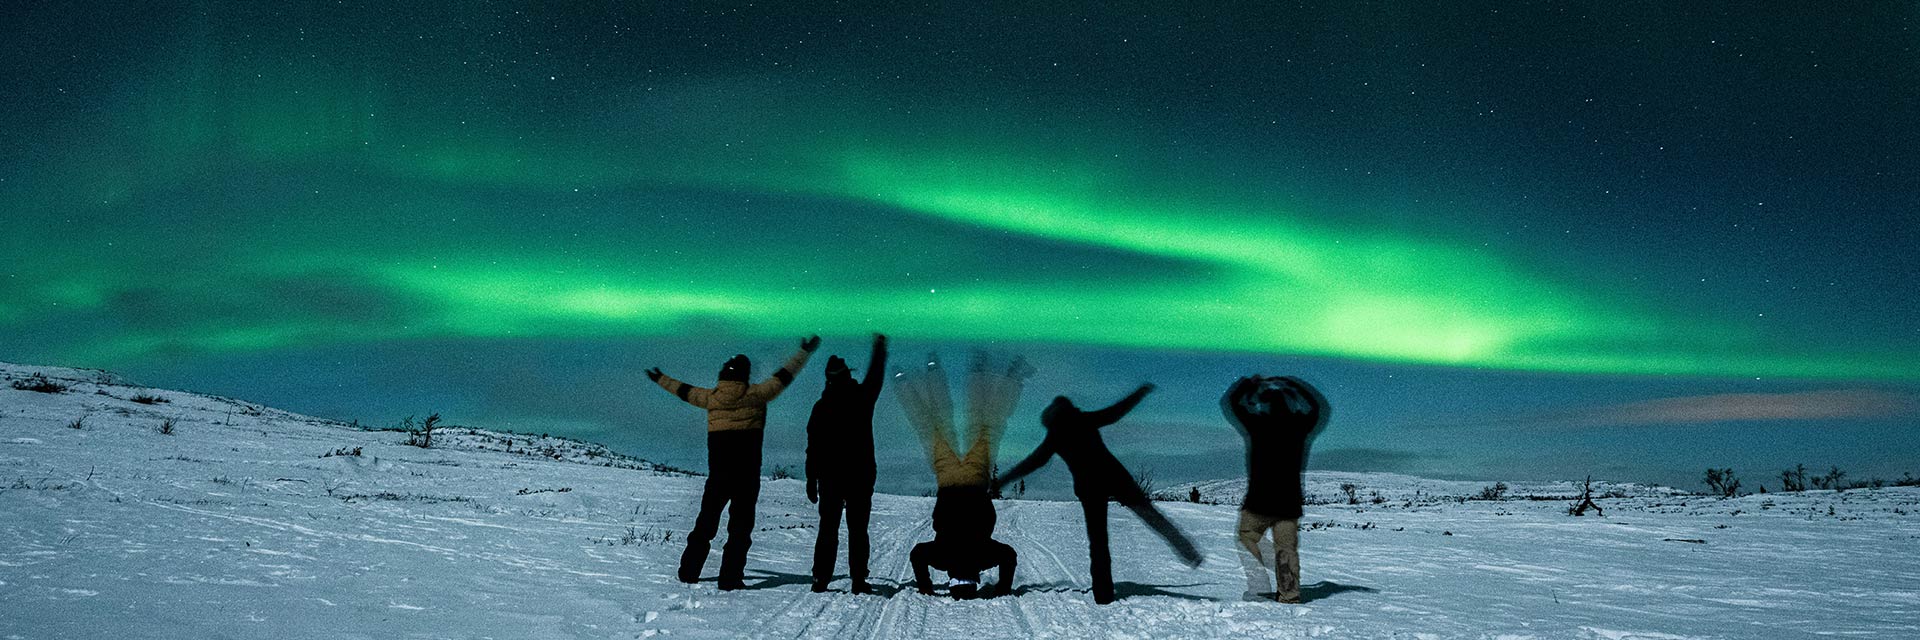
x: 736, y: 422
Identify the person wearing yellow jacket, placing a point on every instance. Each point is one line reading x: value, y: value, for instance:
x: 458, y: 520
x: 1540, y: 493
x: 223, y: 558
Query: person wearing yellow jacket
x: 736, y: 421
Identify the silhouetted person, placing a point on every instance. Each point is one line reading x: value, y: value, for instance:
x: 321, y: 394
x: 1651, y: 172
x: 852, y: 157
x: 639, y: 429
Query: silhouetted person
x: 736, y: 421
x: 1279, y: 417
x: 963, y: 514
x: 1097, y: 476
x: 840, y: 467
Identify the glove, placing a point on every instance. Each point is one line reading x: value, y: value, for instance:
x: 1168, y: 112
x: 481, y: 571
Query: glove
x: 813, y: 491
x: 809, y: 344
x: 654, y: 374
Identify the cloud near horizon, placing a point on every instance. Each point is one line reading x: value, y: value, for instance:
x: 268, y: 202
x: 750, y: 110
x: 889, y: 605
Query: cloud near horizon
x: 1832, y: 404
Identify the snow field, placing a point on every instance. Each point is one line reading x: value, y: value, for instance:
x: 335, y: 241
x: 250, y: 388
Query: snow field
x: 236, y: 526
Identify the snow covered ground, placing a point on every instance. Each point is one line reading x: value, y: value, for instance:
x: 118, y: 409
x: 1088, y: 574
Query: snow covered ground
x: 240, y: 525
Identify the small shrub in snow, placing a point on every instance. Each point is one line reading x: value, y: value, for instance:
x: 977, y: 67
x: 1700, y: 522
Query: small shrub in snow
x: 1352, y: 491
x: 78, y: 423
x: 1907, y: 481
x: 1832, y: 480
x: 633, y: 536
x: 342, y: 452
x: 149, y: 399
x: 1721, y: 482
x: 1144, y: 478
x: 1585, y: 503
x: 1193, y: 495
x: 1794, y: 479
x: 166, y: 427
x: 39, y: 382
x: 781, y: 472
x: 1495, y: 491
x: 423, y: 435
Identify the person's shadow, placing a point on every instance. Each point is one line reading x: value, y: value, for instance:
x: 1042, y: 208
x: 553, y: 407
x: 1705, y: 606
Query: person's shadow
x: 1123, y: 590
x: 1049, y: 587
x: 775, y: 580
x: 1325, y: 589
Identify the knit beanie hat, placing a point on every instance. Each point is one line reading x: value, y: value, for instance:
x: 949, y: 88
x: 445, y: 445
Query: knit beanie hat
x: 738, y: 369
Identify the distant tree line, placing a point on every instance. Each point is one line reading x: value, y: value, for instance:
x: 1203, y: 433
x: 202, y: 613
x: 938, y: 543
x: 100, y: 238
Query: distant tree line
x: 1723, y: 482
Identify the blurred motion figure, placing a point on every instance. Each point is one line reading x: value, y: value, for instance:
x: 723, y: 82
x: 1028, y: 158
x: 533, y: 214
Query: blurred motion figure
x: 1279, y: 417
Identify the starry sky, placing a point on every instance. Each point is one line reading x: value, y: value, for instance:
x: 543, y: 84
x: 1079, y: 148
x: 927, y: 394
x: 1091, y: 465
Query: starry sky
x: 1512, y: 240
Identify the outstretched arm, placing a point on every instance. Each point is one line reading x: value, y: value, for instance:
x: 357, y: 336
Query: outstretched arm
x: 771, y: 387
x: 693, y: 395
x: 1040, y: 456
x: 1119, y: 409
x: 876, y: 366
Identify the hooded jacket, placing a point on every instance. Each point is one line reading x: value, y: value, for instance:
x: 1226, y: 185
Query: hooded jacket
x: 733, y: 405
x: 1279, y: 418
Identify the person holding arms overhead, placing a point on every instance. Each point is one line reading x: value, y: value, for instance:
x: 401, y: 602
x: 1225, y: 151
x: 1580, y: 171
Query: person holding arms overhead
x: 1279, y: 417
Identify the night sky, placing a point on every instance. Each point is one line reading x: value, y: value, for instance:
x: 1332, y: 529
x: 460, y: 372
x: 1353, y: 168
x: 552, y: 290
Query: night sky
x: 1510, y: 240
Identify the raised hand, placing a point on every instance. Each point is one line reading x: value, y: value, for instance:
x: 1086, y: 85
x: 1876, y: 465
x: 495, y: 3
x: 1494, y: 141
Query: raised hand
x: 810, y: 343
x: 654, y: 374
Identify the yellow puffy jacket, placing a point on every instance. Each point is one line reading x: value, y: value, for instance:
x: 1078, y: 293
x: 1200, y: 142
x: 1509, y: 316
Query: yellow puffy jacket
x: 733, y: 405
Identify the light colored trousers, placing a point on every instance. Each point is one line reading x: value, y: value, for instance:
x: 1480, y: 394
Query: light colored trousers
x: 1281, y: 556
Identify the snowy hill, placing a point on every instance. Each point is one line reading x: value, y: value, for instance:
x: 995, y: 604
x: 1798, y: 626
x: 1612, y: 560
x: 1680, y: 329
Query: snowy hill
x: 248, y: 522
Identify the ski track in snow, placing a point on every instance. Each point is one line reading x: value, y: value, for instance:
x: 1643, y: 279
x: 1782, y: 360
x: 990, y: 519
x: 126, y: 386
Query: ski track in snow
x: 236, y: 526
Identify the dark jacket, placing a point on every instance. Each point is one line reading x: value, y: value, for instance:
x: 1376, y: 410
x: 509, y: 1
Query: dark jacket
x: 840, y: 430
x: 1075, y: 436
x: 1277, y: 444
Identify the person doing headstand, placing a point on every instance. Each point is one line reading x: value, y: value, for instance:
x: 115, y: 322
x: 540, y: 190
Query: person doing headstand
x: 963, y: 513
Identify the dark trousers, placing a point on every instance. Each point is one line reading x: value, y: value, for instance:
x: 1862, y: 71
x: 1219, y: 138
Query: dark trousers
x: 733, y: 484
x: 857, y: 502
x: 963, y: 561
x: 1099, y: 555
x: 963, y: 544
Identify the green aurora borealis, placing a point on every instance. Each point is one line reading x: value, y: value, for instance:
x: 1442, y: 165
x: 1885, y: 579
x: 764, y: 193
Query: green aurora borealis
x: 1546, y: 207
x: 1220, y: 265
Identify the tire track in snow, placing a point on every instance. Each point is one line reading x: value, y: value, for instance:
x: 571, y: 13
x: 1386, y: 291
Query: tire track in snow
x: 1039, y: 607
x: 903, y: 564
x: 868, y: 619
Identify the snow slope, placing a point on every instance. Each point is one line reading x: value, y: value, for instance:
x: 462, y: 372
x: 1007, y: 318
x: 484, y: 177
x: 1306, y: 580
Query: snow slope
x: 238, y: 525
